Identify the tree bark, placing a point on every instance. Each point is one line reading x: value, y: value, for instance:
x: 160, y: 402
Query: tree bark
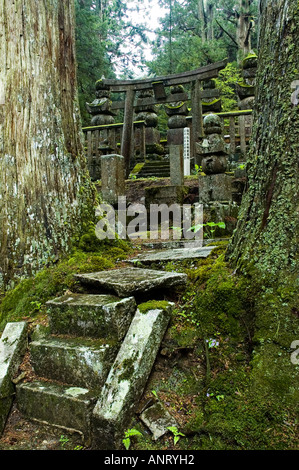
x: 244, y: 28
x: 45, y: 190
x: 266, y: 236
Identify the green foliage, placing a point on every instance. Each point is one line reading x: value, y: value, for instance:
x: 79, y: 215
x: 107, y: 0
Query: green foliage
x: 106, y: 42
x: 226, y: 84
x: 209, y: 228
x: 195, y: 33
x: 128, y: 434
x: 176, y: 434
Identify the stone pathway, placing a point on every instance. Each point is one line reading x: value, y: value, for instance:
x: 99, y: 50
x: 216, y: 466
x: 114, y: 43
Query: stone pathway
x: 131, y: 281
x: 93, y: 361
x: 176, y: 254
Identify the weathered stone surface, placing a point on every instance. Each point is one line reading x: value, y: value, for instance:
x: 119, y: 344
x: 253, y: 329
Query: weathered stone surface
x: 165, y: 195
x: 131, y: 281
x: 247, y: 103
x: 214, y: 164
x: 167, y: 245
x: 157, y: 419
x: 175, y: 136
x: 176, y: 156
x: 212, y: 144
x: 97, y: 316
x: 128, y: 376
x: 175, y: 254
x: 67, y: 407
x: 112, y: 177
x: 215, y: 188
x: 13, y: 344
x: 212, y: 124
x: 81, y: 362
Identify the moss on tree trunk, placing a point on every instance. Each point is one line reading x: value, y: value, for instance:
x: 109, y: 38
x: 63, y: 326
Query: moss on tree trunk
x: 267, y: 230
x: 45, y: 190
x: 264, y: 246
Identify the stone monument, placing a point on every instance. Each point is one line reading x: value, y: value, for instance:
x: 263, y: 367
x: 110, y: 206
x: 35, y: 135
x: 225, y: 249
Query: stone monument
x: 177, y: 122
x: 148, y: 113
x: 113, y: 178
x: 100, y: 108
x: 215, y: 185
x: 246, y: 88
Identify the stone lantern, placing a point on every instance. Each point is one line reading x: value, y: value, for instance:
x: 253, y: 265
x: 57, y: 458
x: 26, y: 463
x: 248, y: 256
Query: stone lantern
x: 213, y: 148
x: 100, y: 108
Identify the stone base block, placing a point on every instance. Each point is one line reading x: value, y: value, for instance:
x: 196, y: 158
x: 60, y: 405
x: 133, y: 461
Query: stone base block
x: 96, y: 316
x: 215, y: 188
x: 165, y: 195
x: 112, y: 177
x: 85, y: 363
x: 67, y: 407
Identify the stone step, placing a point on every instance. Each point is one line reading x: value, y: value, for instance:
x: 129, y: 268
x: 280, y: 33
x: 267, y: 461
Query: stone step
x: 82, y: 362
x: 157, y: 163
x: 154, y: 175
x: 151, y: 171
x: 96, y: 316
x: 58, y: 405
x: 129, y: 281
x: 175, y: 254
x: 168, y: 245
x: 128, y: 376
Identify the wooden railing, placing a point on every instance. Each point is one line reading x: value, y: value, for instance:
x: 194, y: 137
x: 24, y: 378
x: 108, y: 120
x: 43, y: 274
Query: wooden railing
x: 106, y: 139
x: 237, y: 129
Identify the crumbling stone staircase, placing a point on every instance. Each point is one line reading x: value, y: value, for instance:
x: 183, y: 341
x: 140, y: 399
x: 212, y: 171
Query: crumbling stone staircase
x: 155, y: 169
x: 93, y: 361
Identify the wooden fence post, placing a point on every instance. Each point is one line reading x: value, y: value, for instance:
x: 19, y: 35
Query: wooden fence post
x: 128, y: 132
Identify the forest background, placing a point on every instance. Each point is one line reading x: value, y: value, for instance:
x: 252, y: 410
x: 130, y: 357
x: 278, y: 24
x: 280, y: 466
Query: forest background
x: 126, y: 39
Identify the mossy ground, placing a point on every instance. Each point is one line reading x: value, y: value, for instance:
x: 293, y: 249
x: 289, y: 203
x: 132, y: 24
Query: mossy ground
x: 27, y: 300
x: 224, y: 370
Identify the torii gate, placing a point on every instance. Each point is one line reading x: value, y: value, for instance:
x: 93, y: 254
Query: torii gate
x: 158, y: 84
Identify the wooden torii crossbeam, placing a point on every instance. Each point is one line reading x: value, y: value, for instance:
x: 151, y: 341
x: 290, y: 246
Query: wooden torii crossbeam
x: 158, y: 84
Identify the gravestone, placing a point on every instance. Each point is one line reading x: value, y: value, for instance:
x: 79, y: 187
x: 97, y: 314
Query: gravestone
x: 215, y: 186
x: 148, y: 113
x: 100, y: 108
x: 177, y: 122
x: 113, y: 177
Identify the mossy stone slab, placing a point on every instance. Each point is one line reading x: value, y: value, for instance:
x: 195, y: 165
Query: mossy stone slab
x: 75, y: 361
x: 130, y: 281
x: 67, y: 407
x: 96, y: 316
x: 175, y: 254
x: 158, y: 419
x: 13, y: 344
x: 128, y: 376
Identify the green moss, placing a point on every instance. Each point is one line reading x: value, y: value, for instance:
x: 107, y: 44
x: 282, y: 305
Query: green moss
x: 28, y: 298
x: 216, y: 100
x: 240, y: 330
x: 153, y: 305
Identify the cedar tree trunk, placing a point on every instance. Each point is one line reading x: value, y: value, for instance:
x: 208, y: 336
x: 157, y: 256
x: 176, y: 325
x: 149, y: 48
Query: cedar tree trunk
x: 267, y: 230
x: 45, y: 191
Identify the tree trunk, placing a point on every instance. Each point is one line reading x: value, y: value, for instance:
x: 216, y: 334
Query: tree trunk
x: 45, y: 190
x: 202, y: 19
x: 267, y: 231
x: 210, y: 21
x: 244, y: 28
